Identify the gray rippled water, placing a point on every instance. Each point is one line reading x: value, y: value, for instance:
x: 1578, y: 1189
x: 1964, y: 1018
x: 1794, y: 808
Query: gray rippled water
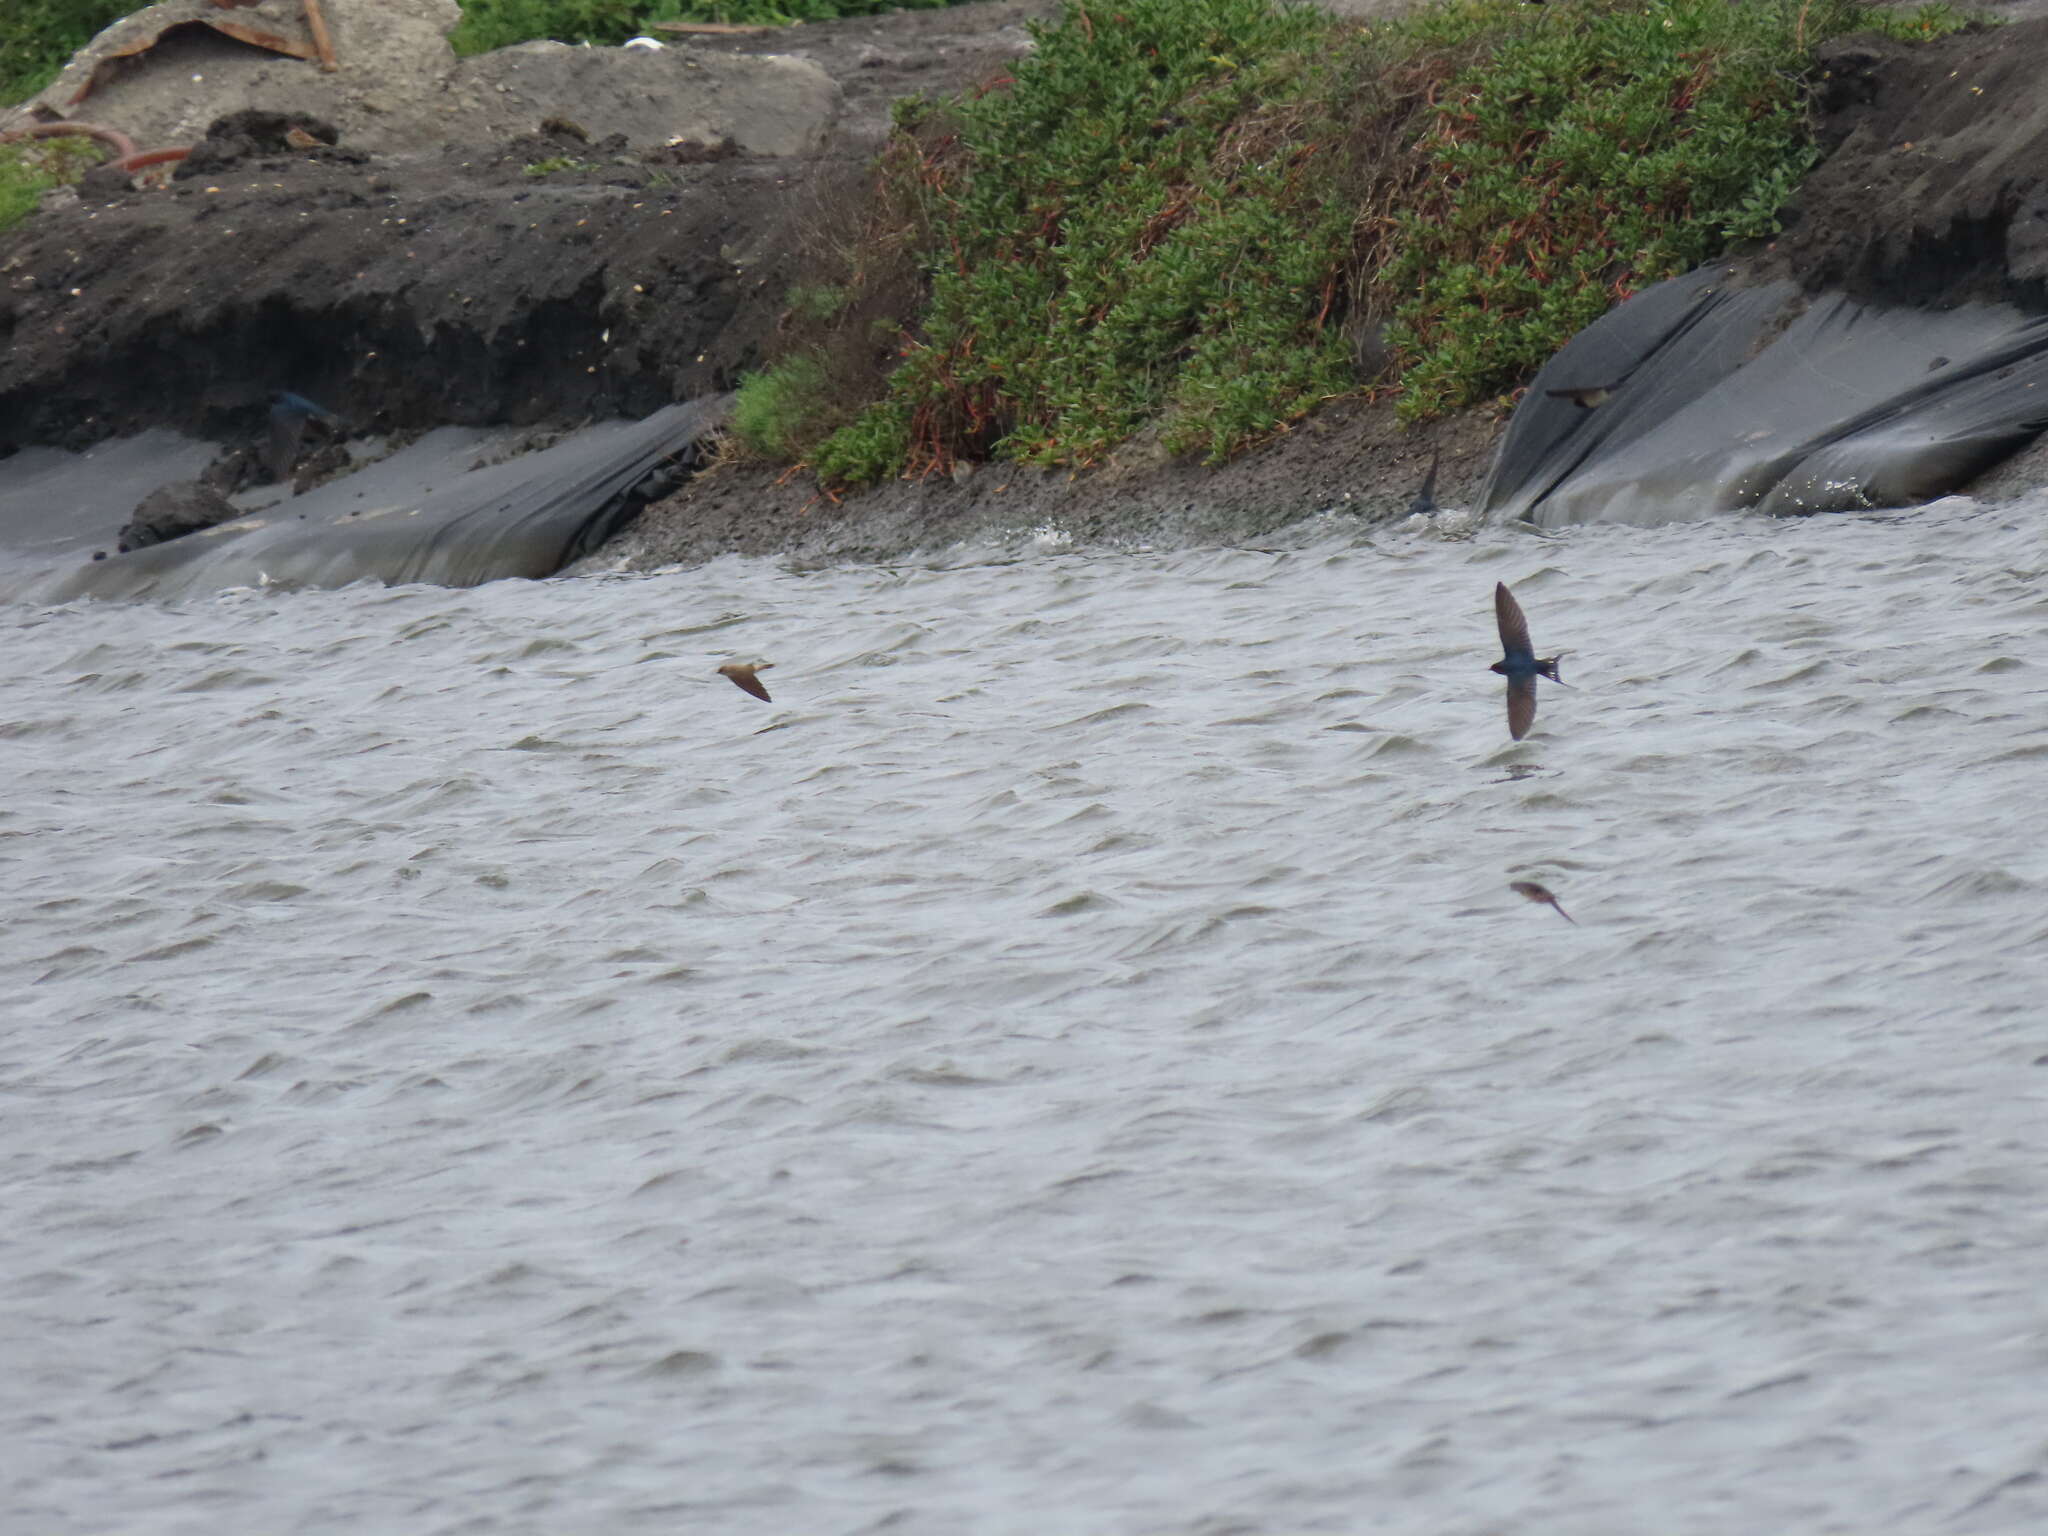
x: 1071, y: 1064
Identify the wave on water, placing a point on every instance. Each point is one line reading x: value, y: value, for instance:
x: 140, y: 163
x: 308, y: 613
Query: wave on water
x: 1076, y: 1059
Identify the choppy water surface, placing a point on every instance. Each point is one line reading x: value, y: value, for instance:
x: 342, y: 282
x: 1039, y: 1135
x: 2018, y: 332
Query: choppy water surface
x: 1071, y: 1064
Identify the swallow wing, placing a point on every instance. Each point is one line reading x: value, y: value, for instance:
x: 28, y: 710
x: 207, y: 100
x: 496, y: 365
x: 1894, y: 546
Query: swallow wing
x: 287, y: 429
x: 1424, y: 502
x: 1521, y: 706
x: 1514, y: 629
x: 751, y: 684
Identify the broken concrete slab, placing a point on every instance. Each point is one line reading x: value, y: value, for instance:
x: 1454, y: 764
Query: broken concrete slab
x: 161, y: 75
x: 386, y: 93
x: 766, y: 104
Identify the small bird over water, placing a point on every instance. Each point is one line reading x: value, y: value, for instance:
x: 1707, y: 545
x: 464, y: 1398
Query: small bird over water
x: 289, y: 414
x: 1584, y: 396
x: 1519, y: 663
x: 1542, y: 894
x: 743, y: 678
x: 1425, y: 499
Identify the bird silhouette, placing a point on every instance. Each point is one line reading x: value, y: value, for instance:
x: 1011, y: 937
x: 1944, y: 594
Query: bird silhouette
x: 1584, y: 396
x: 1542, y: 894
x: 289, y: 414
x: 742, y: 677
x: 1519, y: 663
x: 1425, y: 499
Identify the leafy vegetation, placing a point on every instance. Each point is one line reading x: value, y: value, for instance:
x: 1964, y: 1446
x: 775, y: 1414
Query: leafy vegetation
x: 488, y: 24
x: 40, y: 35
x: 1582, y: 153
x: 770, y: 416
x: 29, y: 168
x: 1192, y: 216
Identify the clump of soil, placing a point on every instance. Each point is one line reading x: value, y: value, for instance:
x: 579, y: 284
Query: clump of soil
x: 1935, y: 187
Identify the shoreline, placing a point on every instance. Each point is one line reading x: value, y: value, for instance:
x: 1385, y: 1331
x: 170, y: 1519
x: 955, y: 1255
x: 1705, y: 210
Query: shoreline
x: 456, y: 287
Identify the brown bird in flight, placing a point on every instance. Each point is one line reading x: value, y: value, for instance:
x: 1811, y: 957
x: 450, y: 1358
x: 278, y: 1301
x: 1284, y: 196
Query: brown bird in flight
x: 742, y: 676
x: 1543, y: 895
x: 1584, y: 396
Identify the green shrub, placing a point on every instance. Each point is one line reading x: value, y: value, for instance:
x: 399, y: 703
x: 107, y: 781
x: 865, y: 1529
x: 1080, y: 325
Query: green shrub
x: 1576, y: 153
x: 873, y: 447
x: 38, y: 36
x: 1179, y: 214
x: 1136, y: 229
x: 771, y: 409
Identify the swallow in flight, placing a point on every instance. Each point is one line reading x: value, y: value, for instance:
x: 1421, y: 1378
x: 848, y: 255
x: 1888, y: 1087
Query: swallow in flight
x: 289, y: 414
x: 1542, y: 894
x: 742, y: 676
x: 1584, y: 396
x: 1425, y: 499
x: 1519, y: 663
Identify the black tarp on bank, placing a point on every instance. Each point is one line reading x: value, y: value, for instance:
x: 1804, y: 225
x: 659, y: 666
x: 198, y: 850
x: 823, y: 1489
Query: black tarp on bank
x: 528, y: 517
x: 1730, y: 396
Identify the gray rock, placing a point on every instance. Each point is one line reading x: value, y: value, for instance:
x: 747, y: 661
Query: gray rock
x: 173, y: 511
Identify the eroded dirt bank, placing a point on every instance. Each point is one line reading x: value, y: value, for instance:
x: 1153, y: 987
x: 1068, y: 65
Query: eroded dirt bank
x: 454, y: 283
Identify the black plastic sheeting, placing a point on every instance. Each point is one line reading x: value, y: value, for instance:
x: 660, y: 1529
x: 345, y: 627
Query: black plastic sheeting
x: 1731, y: 396
x: 527, y: 517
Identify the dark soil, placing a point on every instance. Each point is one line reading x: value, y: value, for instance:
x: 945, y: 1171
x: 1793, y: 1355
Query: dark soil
x: 1935, y: 190
x: 407, y: 294
x: 455, y: 287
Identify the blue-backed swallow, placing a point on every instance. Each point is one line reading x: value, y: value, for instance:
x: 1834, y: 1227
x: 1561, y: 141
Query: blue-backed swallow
x: 1519, y: 664
x: 289, y: 414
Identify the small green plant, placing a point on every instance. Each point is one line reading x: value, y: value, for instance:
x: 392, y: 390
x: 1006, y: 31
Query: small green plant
x: 31, y: 167
x: 38, y: 36
x: 816, y: 302
x: 872, y: 447
x: 554, y: 163
x: 772, y: 407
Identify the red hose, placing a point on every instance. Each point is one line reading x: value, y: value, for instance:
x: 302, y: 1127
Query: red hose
x: 146, y: 157
x: 113, y: 138
x: 126, y: 156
